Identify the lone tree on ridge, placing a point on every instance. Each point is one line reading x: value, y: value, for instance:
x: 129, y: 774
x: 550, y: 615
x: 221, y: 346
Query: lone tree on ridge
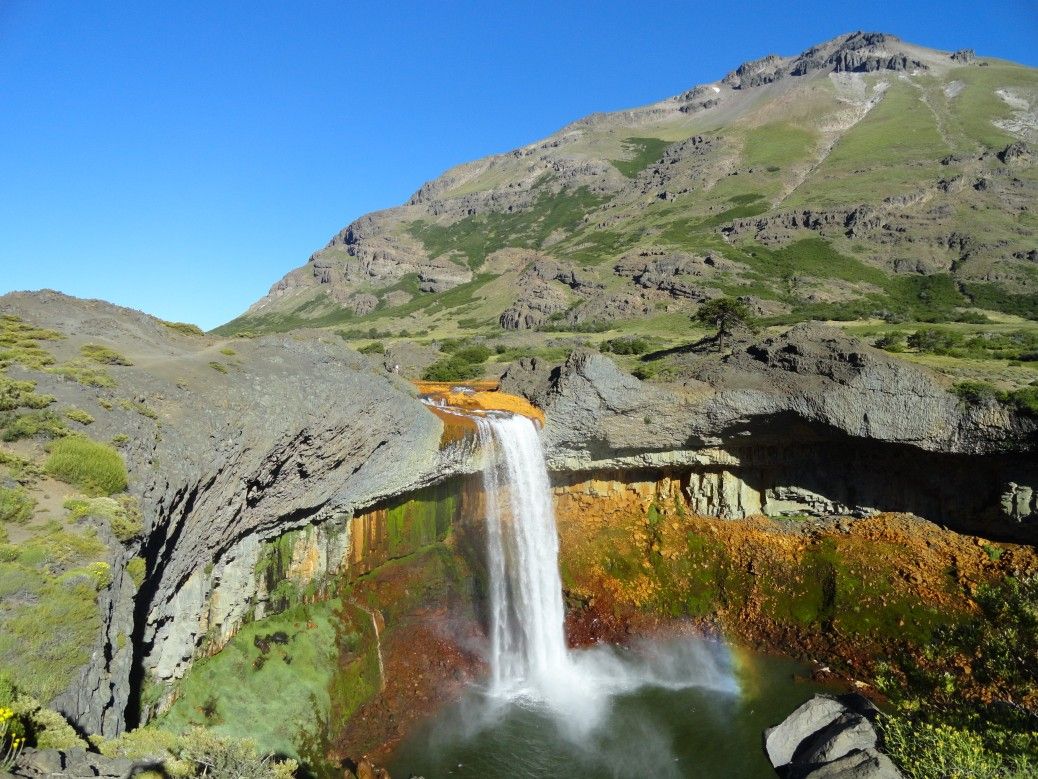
x: 723, y: 313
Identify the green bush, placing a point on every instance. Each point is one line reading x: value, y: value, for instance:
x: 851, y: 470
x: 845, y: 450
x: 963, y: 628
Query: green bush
x: 95, y: 468
x: 926, y: 750
x: 451, y: 369
x: 184, y: 328
x: 103, y: 355
x: 626, y: 345
x: 974, y: 392
x: 122, y: 514
x: 374, y: 347
x: 84, y: 371
x: 891, y: 342
x: 14, y: 427
x: 16, y: 505
x: 476, y: 353
x: 21, y: 394
x: 136, y: 570
x: 219, y: 367
x: 79, y: 415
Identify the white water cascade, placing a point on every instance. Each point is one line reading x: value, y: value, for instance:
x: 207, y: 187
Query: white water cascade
x: 528, y: 656
x: 528, y: 646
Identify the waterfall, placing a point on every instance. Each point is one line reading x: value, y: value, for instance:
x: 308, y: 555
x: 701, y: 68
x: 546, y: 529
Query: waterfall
x: 528, y: 645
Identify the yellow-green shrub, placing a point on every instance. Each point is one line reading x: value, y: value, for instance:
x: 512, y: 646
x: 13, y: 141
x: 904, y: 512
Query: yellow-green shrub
x: 16, y: 505
x: 121, y: 512
x: 136, y: 570
x: 103, y: 355
x: 95, y: 468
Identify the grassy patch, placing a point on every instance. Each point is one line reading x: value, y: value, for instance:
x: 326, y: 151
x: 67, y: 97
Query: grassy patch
x: 16, y: 394
x: 184, y: 328
x: 79, y: 415
x: 20, y: 343
x: 641, y: 153
x: 84, y: 371
x: 95, y: 468
x: 476, y: 237
x: 260, y: 688
x: 776, y: 145
x: 103, y: 355
x: 14, y: 427
x: 122, y: 514
x: 16, y: 505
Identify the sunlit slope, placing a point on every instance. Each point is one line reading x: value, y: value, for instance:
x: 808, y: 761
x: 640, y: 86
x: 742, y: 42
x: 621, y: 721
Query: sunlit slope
x: 865, y: 176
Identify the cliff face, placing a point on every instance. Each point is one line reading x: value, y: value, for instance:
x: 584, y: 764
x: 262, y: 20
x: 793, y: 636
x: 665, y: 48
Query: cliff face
x: 297, y: 460
x: 227, y: 445
x: 806, y: 422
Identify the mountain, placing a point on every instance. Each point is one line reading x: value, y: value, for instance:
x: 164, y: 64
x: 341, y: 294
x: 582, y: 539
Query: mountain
x: 863, y: 176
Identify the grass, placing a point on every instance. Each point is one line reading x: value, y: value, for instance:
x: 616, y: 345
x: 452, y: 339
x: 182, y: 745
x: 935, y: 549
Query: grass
x: 184, y: 328
x: 475, y: 237
x: 20, y: 343
x: 887, y: 153
x: 32, y: 424
x: 122, y: 514
x: 16, y: 394
x: 103, y: 355
x: 96, y: 468
x: 50, y: 618
x: 270, y: 696
x: 777, y: 145
x: 79, y: 415
x: 84, y: 371
x: 641, y: 153
x: 16, y: 505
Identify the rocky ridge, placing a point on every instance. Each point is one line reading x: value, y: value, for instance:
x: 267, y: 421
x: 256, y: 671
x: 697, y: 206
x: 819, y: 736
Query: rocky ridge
x: 569, y: 198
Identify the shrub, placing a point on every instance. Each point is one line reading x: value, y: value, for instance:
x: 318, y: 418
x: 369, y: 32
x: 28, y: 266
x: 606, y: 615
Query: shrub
x: 95, y: 468
x: 974, y: 392
x: 136, y: 570
x: 122, y: 514
x: 103, y: 355
x: 626, y: 345
x: 219, y: 367
x: 184, y: 328
x: 16, y: 505
x: 925, y: 751
x: 375, y: 347
x: 85, y: 372
x: 198, y: 752
x: 228, y: 352
x: 21, y: 394
x: 79, y: 415
x: 32, y: 424
x: 473, y: 354
x: 451, y: 369
x: 891, y: 342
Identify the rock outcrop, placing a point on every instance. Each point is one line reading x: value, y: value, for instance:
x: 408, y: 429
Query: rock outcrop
x: 830, y: 737
x: 807, y: 422
x: 225, y: 460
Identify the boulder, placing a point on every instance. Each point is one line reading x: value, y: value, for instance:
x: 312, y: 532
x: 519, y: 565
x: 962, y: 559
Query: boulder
x: 859, y: 764
x: 829, y: 737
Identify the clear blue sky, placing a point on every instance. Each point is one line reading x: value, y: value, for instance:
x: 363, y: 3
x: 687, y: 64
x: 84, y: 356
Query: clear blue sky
x: 180, y: 157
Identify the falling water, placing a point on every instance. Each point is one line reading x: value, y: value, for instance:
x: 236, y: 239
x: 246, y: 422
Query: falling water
x: 528, y: 655
x: 528, y: 646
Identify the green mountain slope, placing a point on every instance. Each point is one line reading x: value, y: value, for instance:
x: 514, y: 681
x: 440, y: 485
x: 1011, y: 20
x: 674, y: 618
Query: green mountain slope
x: 863, y: 178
